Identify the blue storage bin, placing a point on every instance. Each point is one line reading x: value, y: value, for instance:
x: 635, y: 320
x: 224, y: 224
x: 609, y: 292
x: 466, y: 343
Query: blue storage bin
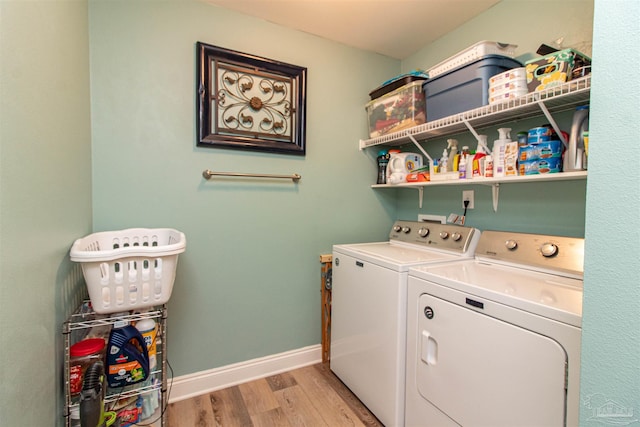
x: 464, y: 88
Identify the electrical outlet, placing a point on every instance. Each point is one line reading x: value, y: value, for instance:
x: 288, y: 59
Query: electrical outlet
x: 467, y: 195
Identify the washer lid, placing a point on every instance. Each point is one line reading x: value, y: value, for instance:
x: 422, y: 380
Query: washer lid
x: 396, y: 256
x: 552, y: 296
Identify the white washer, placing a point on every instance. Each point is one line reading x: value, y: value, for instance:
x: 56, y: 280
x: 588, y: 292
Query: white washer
x: 369, y: 308
x: 495, y: 341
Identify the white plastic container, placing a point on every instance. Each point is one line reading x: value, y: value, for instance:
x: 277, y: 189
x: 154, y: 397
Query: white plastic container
x: 129, y: 269
x: 510, y: 86
x: 509, y: 76
x: 148, y: 330
x: 506, y: 96
x: 470, y: 54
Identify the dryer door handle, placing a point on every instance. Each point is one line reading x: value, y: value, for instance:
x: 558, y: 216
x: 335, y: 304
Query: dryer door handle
x: 428, y: 349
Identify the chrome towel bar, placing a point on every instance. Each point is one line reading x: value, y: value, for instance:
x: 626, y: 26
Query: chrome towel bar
x: 208, y: 174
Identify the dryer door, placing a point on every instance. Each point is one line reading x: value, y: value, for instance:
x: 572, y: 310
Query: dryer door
x: 482, y: 371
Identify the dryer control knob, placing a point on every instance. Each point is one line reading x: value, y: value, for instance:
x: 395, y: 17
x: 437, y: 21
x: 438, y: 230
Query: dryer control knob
x: 406, y: 230
x: 548, y: 250
x: 511, y: 244
x: 397, y: 228
x: 444, y: 235
x: 423, y: 232
x: 456, y: 236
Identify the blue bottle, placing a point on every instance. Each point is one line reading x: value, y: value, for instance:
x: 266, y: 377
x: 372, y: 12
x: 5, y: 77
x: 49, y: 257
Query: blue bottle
x: 127, y: 357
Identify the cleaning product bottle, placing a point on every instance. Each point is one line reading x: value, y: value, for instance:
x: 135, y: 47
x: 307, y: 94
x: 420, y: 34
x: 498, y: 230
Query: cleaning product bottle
x: 573, y: 157
x: 488, y: 166
x: 452, y: 145
x: 444, y: 160
x: 477, y: 167
x: 464, y: 167
x: 148, y: 330
x: 383, y: 161
x: 462, y: 164
x: 499, y: 146
x: 127, y: 357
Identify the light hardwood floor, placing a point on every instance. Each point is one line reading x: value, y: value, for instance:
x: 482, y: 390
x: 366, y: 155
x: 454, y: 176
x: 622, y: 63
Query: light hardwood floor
x: 311, y: 396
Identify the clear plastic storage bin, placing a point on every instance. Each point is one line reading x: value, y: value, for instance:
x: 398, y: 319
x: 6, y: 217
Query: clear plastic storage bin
x: 129, y: 269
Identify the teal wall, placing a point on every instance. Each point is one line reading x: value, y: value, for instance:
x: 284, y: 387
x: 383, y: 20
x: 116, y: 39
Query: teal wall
x: 249, y: 283
x: 611, y: 312
x: 45, y: 198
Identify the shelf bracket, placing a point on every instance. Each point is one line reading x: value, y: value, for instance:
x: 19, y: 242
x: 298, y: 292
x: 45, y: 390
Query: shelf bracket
x: 552, y: 121
x: 419, y: 147
x: 420, y: 189
x: 475, y: 135
x: 495, y: 194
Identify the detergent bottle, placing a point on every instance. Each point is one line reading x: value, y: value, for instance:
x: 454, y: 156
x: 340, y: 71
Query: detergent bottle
x: 499, y: 147
x: 127, y: 357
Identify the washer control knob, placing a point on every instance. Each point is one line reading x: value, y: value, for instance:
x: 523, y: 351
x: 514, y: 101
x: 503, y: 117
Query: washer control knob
x: 406, y: 230
x: 511, y: 244
x: 423, y: 232
x: 397, y: 228
x: 548, y: 250
x: 456, y: 236
x: 444, y: 235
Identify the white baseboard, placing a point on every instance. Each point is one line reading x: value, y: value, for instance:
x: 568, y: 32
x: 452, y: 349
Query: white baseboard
x: 191, y: 385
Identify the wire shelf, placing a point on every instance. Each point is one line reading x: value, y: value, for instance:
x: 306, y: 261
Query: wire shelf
x: 560, y: 98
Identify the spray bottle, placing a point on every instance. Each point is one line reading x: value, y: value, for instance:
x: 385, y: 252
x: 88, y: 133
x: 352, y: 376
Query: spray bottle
x: 499, y: 147
x: 477, y: 167
x: 444, y: 162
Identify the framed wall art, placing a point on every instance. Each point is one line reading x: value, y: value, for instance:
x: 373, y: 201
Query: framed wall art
x: 248, y: 102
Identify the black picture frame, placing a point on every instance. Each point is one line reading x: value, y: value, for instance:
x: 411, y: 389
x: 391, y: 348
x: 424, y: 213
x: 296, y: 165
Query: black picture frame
x: 248, y: 102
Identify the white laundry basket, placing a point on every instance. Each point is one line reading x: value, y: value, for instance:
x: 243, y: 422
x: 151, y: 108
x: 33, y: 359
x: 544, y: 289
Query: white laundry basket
x: 129, y: 269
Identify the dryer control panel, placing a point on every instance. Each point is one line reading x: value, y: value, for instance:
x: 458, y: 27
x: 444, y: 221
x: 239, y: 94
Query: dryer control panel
x: 552, y: 253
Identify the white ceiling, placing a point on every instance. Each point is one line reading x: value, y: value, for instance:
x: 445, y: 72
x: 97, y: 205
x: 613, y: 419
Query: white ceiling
x: 395, y: 28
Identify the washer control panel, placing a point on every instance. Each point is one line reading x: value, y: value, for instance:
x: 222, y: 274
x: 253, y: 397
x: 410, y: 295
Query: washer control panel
x: 435, y: 235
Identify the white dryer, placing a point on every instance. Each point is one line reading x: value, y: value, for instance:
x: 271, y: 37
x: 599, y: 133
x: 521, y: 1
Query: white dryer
x: 495, y: 341
x: 369, y: 308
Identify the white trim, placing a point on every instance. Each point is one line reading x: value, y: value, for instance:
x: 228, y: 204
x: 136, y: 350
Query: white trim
x: 198, y: 383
